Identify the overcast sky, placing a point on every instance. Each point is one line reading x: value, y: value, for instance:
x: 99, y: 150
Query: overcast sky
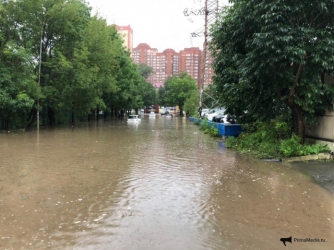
x: 159, y: 23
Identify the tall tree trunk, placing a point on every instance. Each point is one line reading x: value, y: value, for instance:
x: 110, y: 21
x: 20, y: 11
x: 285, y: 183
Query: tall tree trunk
x: 51, y: 116
x: 298, y: 121
x: 181, y: 112
x: 32, y: 117
x: 6, y: 124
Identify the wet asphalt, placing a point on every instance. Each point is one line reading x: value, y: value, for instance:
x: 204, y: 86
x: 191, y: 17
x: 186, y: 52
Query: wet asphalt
x: 321, y: 171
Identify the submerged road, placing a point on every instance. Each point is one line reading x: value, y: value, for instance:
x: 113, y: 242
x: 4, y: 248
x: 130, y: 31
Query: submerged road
x: 159, y: 184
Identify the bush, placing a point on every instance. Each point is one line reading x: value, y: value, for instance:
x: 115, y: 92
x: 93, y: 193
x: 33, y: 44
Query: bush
x: 197, y: 122
x: 266, y: 140
x: 231, y: 142
x: 316, y: 148
x: 209, y: 129
x: 204, y: 125
x: 272, y: 140
x: 214, y: 132
x: 292, y: 147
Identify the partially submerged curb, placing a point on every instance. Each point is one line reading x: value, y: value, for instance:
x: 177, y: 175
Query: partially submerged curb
x: 321, y: 156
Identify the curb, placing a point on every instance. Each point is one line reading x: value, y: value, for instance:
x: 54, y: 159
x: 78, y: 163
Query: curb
x: 321, y: 156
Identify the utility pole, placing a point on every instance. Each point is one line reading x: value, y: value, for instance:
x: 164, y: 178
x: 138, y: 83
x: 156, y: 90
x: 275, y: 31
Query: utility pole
x: 210, y: 12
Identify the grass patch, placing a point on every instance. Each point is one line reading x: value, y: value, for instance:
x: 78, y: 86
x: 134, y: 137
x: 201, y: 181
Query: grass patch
x: 272, y: 140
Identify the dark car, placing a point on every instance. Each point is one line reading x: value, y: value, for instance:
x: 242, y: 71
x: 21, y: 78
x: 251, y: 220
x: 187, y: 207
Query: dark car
x: 231, y: 119
x: 164, y: 112
x: 219, y: 118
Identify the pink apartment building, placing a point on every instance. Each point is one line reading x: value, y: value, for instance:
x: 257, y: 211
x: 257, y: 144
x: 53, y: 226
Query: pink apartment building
x: 127, y: 34
x: 169, y: 62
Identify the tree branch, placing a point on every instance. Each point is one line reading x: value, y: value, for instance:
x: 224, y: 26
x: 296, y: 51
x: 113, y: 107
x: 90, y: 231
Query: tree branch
x: 293, y: 89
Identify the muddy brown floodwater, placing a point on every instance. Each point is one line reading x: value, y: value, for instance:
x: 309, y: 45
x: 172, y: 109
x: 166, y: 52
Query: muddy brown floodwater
x: 160, y: 184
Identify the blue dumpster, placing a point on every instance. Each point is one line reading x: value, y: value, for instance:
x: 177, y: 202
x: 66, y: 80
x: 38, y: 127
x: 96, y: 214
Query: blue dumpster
x: 226, y: 129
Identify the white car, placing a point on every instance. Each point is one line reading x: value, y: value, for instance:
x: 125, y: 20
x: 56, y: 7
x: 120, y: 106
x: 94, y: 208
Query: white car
x: 204, y: 112
x: 210, y: 116
x: 151, y: 115
x: 213, y: 112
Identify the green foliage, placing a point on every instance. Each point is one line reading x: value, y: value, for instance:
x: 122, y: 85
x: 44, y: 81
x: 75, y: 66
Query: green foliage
x: 204, y: 125
x: 209, y: 96
x: 292, y: 147
x: 84, y: 66
x: 213, y: 132
x: 17, y: 85
x: 197, y: 122
x: 208, y: 128
x: 149, y: 93
x: 271, y: 140
x: 270, y: 58
x: 161, y: 93
x: 178, y: 89
x: 144, y: 70
x: 191, y: 104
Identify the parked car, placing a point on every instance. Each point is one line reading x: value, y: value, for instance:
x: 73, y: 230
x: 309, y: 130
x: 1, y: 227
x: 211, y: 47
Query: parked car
x: 231, y: 119
x: 213, y: 111
x: 210, y: 115
x: 164, y: 111
x: 204, y: 112
x: 151, y: 115
x: 219, y: 118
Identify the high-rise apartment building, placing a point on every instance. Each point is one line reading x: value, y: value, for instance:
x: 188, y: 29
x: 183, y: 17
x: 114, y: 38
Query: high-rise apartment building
x: 127, y: 34
x: 143, y: 53
x: 168, y: 62
x: 191, y: 62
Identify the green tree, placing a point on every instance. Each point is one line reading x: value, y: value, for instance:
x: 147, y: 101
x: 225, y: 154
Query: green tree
x: 149, y: 94
x: 84, y: 66
x: 132, y: 89
x: 52, y: 30
x: 91, y: 70
x: 209, y: 96
x: 273, y: 55
x: 160, y: 97
x: 18, y: 86
x: 131, y: 85
x: 144, y: 70
x: 191, y: 104
x: 179, y: 89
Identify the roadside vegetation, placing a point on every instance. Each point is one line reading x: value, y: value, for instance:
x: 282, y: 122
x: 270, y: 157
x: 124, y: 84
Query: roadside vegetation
x: 179, y: 90
x: 211, y: 130
x: 272, y: 140
x: 58, y: 58
x: 266, y: 140
x: 272, y: 63
x: 273, y: 58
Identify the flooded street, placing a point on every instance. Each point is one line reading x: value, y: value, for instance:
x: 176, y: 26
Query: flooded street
x: 160, y: 184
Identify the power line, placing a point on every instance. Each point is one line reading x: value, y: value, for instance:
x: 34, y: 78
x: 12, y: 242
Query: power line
x: 210, y: 12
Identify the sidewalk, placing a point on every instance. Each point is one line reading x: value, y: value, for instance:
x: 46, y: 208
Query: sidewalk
x: 321, y: 171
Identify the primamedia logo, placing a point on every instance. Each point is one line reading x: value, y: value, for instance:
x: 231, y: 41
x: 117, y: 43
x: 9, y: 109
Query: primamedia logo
x: 300, y: 240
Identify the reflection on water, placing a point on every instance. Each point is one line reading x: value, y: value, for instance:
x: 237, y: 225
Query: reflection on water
x: 157, y: 184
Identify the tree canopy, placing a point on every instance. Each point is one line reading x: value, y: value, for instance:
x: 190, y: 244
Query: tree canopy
x: 178, y: 89
x: 192, y: 103
x: 57, y: 57
x: 144, y: 70
x: 272, y: 56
